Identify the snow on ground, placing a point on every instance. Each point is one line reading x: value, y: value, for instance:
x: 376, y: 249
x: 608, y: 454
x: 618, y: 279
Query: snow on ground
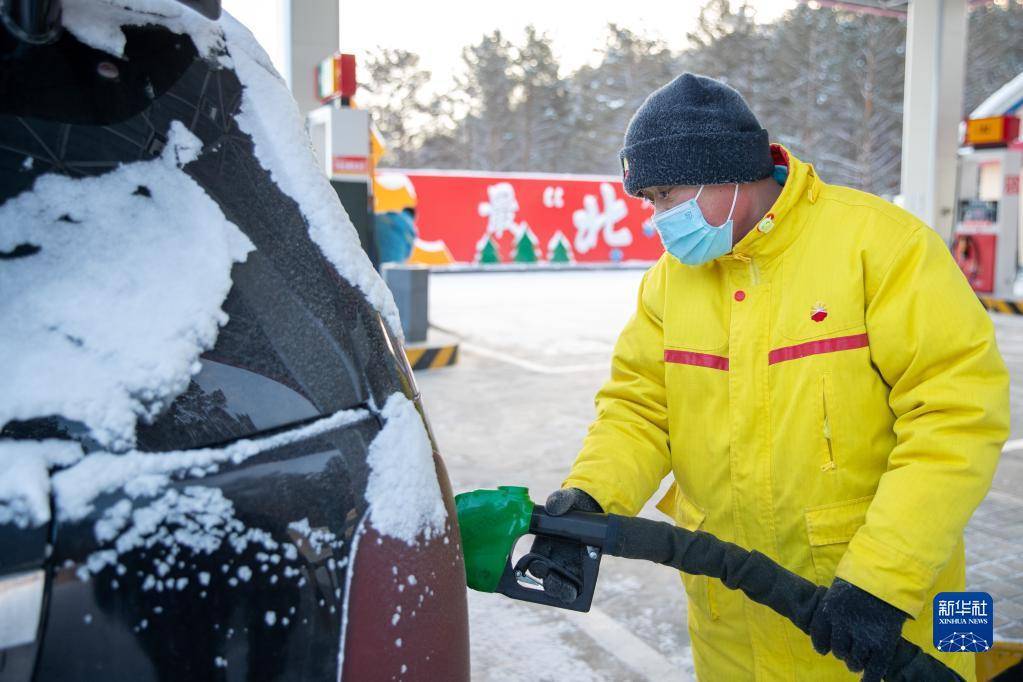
x: 544, y: 314
x: 103, y: 327
x: 511, y: 642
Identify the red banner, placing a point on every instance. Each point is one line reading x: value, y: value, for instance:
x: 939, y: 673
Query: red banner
x: 597, y: 219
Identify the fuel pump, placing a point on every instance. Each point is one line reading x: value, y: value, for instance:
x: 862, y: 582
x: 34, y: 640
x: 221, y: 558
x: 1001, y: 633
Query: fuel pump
x: 986, y: 235
x: 342, y: 141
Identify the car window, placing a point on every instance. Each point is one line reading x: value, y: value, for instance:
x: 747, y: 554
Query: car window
x: 299, y: 342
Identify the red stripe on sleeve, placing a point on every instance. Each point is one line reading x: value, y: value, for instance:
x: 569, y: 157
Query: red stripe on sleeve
x: 684, y: 357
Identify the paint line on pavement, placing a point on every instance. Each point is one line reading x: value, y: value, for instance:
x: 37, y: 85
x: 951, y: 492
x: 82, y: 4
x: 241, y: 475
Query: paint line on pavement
x: 529, y: 365
x: 621, y: 643
x: 1013, y: 445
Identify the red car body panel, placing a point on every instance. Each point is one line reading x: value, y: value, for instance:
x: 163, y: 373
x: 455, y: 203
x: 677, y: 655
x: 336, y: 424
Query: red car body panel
x: 407, y: 605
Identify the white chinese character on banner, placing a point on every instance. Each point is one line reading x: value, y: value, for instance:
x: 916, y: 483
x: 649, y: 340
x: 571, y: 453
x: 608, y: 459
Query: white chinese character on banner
x: 979, y: 608
x: 500, y: 210
x: 590, y: 221
x: 945, y: 607
x: 554, y: 197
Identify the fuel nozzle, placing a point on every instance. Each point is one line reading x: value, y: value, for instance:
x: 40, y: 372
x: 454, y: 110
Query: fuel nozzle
x: 492, y: 521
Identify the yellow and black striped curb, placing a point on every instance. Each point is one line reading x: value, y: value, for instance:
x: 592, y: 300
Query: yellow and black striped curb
x: 431, y: 357
x: 1002, y: 305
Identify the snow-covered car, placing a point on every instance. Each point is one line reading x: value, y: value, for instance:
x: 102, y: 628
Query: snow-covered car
x: 214, y: 463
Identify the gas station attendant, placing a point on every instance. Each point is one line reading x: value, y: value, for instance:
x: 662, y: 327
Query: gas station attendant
x: 816, y: 373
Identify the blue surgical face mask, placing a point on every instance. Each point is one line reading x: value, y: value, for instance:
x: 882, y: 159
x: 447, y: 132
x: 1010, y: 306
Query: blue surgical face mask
x: 688, y: 236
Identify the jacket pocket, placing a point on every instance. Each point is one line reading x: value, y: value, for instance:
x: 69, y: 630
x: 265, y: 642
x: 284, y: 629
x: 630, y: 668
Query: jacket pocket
x: 826, y: 410
x: 829, y: 528
x: 691, y: 517
x: 816, y: 303
x: 695, y: 321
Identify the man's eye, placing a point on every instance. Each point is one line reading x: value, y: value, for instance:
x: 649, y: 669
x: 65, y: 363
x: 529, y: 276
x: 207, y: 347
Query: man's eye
x: 663, y: 193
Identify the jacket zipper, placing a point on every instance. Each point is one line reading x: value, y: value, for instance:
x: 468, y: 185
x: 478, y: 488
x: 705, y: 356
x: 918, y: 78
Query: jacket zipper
x: 829, y: 465
x: 712, y: 603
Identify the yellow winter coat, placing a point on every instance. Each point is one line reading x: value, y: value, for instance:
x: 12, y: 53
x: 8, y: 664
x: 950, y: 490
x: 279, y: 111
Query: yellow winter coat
x: 830, y: 394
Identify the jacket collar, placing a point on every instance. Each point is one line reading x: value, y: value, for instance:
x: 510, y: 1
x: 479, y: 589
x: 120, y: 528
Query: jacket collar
x: 782, y: 224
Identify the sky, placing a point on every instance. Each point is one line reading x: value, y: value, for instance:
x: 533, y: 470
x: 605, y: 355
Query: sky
x: 438, y: 31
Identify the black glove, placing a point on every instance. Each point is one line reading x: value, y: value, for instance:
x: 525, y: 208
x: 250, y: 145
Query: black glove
x: 860, y: 629
x: 559, y: 563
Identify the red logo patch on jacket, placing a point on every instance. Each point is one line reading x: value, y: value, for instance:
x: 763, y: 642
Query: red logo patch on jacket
x: 819, y: 312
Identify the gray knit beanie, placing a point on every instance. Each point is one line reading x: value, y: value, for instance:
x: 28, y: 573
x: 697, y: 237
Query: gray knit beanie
x: 694, y: 131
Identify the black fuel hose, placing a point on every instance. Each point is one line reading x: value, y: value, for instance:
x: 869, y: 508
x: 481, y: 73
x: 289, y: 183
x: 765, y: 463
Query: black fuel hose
x: 756, y: 575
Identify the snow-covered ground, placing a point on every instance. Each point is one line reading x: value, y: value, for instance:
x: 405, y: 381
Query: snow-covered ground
x: 549, y: 315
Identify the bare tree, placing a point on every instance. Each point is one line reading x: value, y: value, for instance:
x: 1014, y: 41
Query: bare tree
x: 827, y: 83
x: 394, y: 96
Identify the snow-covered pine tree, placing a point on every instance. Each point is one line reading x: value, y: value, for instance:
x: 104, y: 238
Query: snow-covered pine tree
x: 543, y: 108
x: 559, y: 250
x: 394, y: 94
x: 605, y: 97
x: 994, y: 49
x: 485, y: 91
x: 487, y: 251
x: 806, y: 69
x: 729, y: 45
x: 873, y: 87
x: 525, y: 249
x: 825, y: 82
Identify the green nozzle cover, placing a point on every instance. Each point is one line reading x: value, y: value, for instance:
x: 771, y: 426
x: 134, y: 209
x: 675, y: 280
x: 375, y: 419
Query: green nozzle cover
x: 491, y: 521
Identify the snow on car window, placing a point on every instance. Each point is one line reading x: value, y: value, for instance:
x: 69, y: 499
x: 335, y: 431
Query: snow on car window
x: 403, y: 495
x: 120, y: 283
x: 121, y: 278
x: 108, y: 316
x: 144, y: 474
